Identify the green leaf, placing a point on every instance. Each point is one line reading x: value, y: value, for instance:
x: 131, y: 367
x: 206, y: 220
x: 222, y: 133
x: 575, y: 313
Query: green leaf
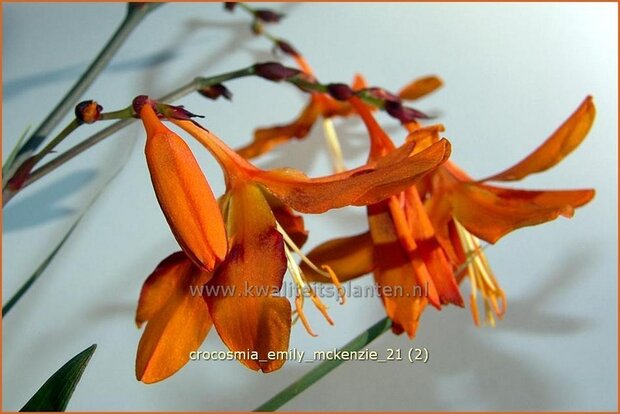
x: 324, y: 368
x: 55, y: 394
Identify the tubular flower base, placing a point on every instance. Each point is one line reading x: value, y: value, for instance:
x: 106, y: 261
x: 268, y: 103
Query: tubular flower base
x: 241, y: 293
x: 438, y: 223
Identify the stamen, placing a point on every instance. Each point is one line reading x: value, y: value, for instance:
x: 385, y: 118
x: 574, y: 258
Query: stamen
x: 321, y: 307
x: 336, y: 282
x: 301, y: 315
x: 291, y: 245
x: 333, y: 145
x: 481, y: 279
x: 303, y: 286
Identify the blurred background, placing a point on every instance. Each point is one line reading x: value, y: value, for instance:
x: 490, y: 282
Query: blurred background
x: 512, y: 72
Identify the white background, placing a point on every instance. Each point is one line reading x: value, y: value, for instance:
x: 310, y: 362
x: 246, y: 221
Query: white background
x: 513, y: 73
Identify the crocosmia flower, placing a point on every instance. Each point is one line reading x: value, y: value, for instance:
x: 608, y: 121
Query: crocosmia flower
x: 241, y: 291
x: 464, y: 210
x: 439, y: 221
x: 184, y: 193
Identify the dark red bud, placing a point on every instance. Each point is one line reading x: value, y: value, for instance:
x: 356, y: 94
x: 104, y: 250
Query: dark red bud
x: 163, y: 110
x: 287, y: 48
x: 21, y: 175
x: 275, y: 71
x: 381, y: 93
x: 268, y: 16
x: 215, y: 91
x: 175, y: 112
x: 88, y: 112
x: 402, y: 113
x: 230, y: 6
x: 340, y: 91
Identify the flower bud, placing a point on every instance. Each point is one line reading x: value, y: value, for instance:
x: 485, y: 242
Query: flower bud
x: 274, y: 71
x: 215, y: 91
x: 381, y: 93
x: 163, y: 110
x: 340, y: 91
x: 88, y: 112
x: 268, y: 16
x: 286, y: 48
x: 402, y: 113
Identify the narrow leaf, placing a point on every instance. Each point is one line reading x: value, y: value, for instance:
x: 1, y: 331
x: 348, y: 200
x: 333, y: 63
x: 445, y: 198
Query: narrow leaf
x: 324, y: 368
x: 55, y: 394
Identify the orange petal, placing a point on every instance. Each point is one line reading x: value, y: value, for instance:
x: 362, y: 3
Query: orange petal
x: 178, y: 321
x: 380, y: 142
x: 359, y: 82
x: 266, y: 139
x: 365, y: 186
x: 184, y: 194
x: 420, y: 87
x: 402, y: 295
x: 349, y: 258
x: 245, y: 308
x: 490, y: 212
x: 160, y: 285
x: 561, y: 143
x: 423, y: 137
x: 429, y: 249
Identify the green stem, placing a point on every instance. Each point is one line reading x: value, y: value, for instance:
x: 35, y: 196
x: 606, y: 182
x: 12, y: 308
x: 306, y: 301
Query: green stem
x: 196, y: 84
x: 33, y: 278
x: 135, y: 14
x: 324, y: 368
x: 73, y: 125
x: 124, y: 113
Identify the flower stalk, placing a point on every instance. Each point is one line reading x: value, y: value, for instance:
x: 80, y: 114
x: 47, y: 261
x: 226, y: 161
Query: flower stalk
x: 135, y: 14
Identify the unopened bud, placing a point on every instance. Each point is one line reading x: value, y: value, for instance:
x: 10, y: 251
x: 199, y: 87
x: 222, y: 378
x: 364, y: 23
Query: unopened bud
x: 215, y: 91
x: 381, y: 93
x: 275, y: 71
x: 163, y: 110
x: 88, y: 112
x: 287, y: 48
x: 340, y: 91
x: 402, y: 113
x: 175, y: 112
x: 268, y: 16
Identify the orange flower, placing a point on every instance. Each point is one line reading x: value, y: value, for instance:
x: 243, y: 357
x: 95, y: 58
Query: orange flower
x: 400, y: 248
x: 263, y: 233
x: 183, y: 194
x: 320, y: 105
x: 442, y: 235
x: 463, y: 210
